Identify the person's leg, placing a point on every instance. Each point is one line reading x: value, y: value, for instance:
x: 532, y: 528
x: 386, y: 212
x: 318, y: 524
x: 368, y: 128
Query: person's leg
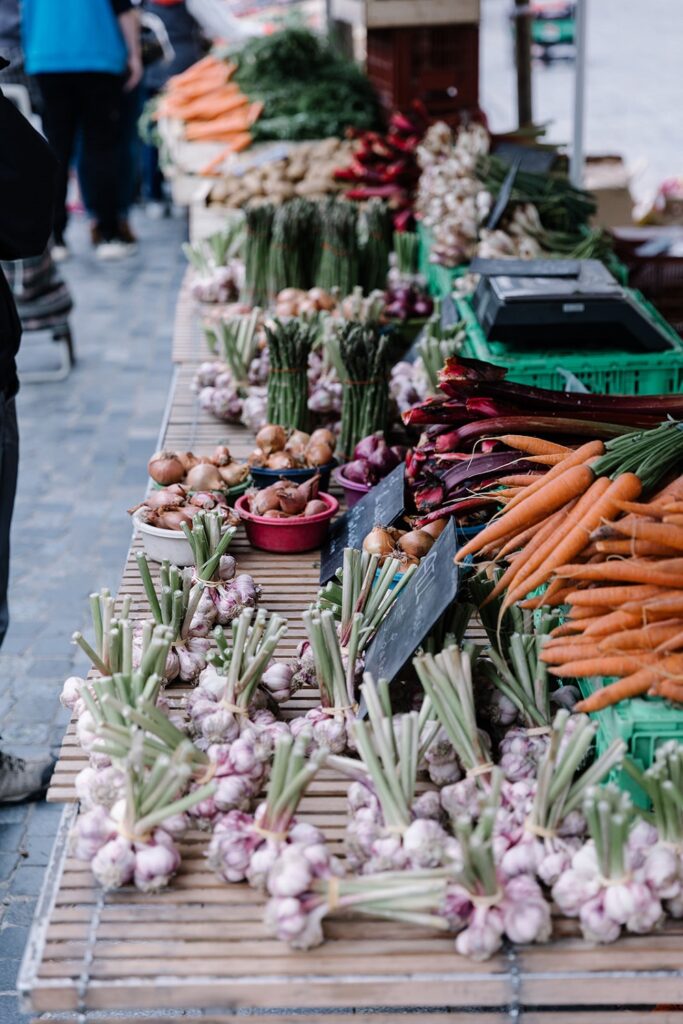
x: 9, y: 463
x: 129, y: 151
x: 100, y: 115
x: 20, y: 778
x: 60, y: 119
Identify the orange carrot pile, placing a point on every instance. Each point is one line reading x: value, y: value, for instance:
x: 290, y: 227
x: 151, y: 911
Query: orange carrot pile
x: 598, y: 546
x: 212, y: 107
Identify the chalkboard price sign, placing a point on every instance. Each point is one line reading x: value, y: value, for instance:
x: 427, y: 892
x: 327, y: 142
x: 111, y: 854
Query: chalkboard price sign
x: 416, y: 610
x: 382, y: 506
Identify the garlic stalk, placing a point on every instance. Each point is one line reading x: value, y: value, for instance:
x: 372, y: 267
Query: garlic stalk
x: 112, y: 651
x: 522, y: 677
x: 447, y: 680
x: 660, y: 849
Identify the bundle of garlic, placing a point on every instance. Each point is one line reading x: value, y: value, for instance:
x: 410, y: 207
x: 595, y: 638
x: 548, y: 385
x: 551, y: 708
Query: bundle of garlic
x: 603, y: 887
x: 219, y: 707
x: 387, y: 829
x: 658, y: 848
x: 134, y: 840
x: 551, y: 833
x: 171, y: 607
x: 218, y: 591
x: 245, y: 846
x: 482, y: 905
x: 238, y: 340
x: 113, y: 634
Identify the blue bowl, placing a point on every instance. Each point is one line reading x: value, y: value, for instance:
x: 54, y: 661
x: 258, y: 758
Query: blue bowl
x: 265, y: 477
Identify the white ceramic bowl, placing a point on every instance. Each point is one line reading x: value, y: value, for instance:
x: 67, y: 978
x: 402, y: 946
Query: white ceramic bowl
x: 160, y: 545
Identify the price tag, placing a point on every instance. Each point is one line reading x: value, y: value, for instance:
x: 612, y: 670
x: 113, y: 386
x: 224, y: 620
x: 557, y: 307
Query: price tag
x: 382, y: 506
x: 416, y: 610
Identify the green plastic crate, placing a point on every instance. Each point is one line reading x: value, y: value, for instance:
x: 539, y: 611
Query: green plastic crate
x: 607, y: 372
x: 644, y: 723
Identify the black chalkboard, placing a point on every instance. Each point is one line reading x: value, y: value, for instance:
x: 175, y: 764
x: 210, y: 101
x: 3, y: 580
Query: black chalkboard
x: 416, y: 610
x: 382, y: 506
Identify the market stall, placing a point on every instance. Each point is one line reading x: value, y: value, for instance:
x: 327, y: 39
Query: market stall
x: 385, y: 715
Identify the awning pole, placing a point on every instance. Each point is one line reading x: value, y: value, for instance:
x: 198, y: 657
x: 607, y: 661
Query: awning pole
x: 576, y: 161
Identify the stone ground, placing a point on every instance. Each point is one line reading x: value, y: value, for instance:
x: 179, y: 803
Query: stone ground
x: 85, y: 442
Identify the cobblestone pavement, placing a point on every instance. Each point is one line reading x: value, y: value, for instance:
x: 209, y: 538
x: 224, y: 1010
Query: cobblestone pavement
x: 85, y: 442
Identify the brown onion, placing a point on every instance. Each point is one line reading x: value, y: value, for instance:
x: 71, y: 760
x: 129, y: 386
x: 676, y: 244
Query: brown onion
x: 271, y: 439
x: 378, y: 542
x: 315, y: 507
x: 170, y: 519
x: 416, y: 544
x: 318, y: 454
x: 207, y: 500
x: 275, y: 513
x: 256, y: 458
x: 204, y: 477
x: 292, y: 502
x: 324, y: 436
x: 280, y: 460
x: 164, y: 498
x: 221, y: 456
x: 234, y: 474
x: 166, y: 468
x: 436, y: 528
x: 264, y: 501
x: 309, y: 488
x: 188, y: 459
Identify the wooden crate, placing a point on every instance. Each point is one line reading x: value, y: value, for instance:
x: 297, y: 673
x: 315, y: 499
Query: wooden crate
x: 404, y: 13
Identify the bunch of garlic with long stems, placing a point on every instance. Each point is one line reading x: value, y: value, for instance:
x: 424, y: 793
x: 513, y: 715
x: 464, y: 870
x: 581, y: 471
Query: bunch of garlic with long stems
x: 447, y: 681
x: 482, y: 905
x: 602, y: 887
x: 245, y: 846
x: 357, y: 589
x: 112, y: 651
x: 385, y: 830
x: 545, y: 841
x: 336, y: 672
x: 130, y: 843
x: 219, y: 706
x: 403, y: 897
x: 218, y: 592
x: 129, y: 687
x: 169, y: 607
x: 658, y: 846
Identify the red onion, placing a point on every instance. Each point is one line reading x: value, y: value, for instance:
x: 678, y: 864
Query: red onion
x: 369, y: 445
x: 382, y: 461
x: 357, y: 471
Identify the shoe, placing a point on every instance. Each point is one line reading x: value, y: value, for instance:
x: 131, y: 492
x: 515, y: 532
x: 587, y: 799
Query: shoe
x: 24, y: 778
x: 114, y: 249
x: 125, y: 233
x: 157, y: 210
x: 60, y: 252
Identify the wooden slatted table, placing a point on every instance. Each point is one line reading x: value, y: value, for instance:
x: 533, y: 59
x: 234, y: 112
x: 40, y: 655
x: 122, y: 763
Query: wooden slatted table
x: 200, y: 947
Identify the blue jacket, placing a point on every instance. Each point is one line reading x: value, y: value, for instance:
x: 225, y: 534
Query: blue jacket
x: 72, y: 35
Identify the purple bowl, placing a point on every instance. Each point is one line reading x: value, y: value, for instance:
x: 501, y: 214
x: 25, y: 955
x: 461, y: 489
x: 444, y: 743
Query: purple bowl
x: 352, y: 492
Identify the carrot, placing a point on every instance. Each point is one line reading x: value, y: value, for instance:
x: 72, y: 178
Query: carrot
x: 519, y: 479
x: 635, y: 548
x: 534, y: 509
x: 209, y: 169
x: 664, y: 534
x: 546, y: 460
x: 607, y: 665
x: 569, y: 628
x: 521, y: 539
x: 650, y: 636
x: 629, y: 571
x: 639, y: 508
x: 532, y: 445
x: 671, y: 643
x: 558, y: 655
x: 663, y: 607
x: 633, y: 685
x: 611, y: 596
x: 536, y: 544
x: 603, y: 625
x: 602, y: 507
x: 674, y: 518
x: 579, y: 457
x: 667, y: 688
x: 555, y: 595
x: 577, y: 612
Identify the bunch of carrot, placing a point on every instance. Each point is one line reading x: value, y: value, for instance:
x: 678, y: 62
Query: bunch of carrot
x: 213, y: 107
x: 581, y: 532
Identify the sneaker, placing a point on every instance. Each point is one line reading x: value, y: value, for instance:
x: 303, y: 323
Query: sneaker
x: 60, y: 252
x: 157, y: 210
x: 114, y: 249
x: 24, y: 778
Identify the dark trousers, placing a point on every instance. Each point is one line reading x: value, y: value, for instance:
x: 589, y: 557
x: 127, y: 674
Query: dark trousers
x: 9, y: 464
x: 86, y: 104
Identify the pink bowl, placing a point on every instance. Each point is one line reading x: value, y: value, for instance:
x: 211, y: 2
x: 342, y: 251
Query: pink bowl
x: 353, y: 492
x: 287, y: 536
